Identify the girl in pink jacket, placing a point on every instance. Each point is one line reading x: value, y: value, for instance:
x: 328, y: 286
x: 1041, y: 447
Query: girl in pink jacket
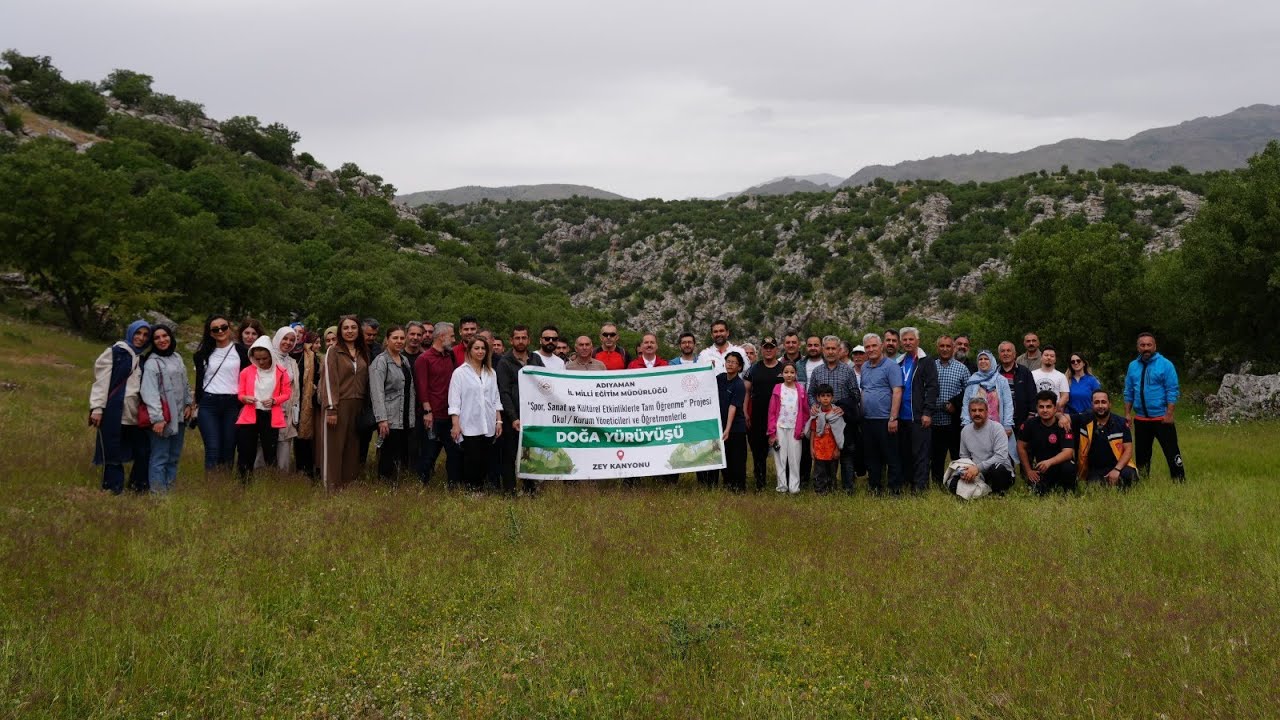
x: 263, y: 389
x: 788, y: 413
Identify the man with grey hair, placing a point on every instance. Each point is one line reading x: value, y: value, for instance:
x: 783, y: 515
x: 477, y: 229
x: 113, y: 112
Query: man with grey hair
x: 919, y: 404
x: 985, y: 444
x: 881, y: 403
x: 413, y: 334
x: 847, y: 399
x: 432, y: 373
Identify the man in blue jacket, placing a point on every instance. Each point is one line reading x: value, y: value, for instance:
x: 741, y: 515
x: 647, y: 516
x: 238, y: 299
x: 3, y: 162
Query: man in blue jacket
x: 1150, y: 392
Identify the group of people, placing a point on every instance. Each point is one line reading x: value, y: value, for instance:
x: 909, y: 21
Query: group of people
x: 824, y: 410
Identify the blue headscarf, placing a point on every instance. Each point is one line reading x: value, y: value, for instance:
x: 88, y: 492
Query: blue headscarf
x: 986, y: 379
x: 132, y: 330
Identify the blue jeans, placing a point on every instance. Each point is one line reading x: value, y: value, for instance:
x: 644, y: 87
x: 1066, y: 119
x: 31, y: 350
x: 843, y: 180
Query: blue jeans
x: 217, y: 422
x: 165, y: 454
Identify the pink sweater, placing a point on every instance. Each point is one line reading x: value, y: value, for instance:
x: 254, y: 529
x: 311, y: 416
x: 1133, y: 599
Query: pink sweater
x: 802, y: 408
x: 248, y: 415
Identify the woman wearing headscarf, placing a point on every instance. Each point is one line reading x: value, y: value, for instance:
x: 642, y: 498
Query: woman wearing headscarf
x: 344, y: 385
x: 165, y: 388
x: 305, y: 355
x: 988, y: 384
x: 391, y: 389
x: 330, y: 337
x: 282, y: 344
x: 113, y: 410
x: 218, y: 360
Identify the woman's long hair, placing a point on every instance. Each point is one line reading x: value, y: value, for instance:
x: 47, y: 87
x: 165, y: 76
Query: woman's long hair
x: 487, y: 363
x: 207, y: 343
x: 360, y: 347
x: 1084, y: 362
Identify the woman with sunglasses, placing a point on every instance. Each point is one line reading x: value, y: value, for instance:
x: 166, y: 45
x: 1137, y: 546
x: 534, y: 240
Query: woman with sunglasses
x: 219, y: 360
x: 1081, y: 384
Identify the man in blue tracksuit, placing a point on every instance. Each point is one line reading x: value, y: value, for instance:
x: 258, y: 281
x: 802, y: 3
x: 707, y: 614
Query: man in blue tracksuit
x: 1150, y: 392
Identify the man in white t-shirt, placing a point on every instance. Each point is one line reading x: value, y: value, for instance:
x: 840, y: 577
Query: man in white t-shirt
x: 1048, y: 378
x: 812, y: 355
x: 547, y: 348
x: 720, y: 346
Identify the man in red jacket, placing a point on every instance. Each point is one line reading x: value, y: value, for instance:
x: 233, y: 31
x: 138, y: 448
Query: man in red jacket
x: 613, y: 357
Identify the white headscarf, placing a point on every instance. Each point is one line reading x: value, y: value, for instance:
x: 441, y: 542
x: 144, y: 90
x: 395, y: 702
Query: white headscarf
x: 283, y: 357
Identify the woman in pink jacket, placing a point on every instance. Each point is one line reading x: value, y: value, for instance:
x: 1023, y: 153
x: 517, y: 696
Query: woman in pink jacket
x: 788, y: 412
x: 263, y: 389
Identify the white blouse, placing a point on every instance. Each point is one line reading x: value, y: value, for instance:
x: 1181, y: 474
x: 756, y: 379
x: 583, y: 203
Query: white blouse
x: 788, y: 406
x: 223, y: 370
x: 474, y: 399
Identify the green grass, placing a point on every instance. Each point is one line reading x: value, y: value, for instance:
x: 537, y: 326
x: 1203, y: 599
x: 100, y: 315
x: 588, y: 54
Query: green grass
x: 276, y: 600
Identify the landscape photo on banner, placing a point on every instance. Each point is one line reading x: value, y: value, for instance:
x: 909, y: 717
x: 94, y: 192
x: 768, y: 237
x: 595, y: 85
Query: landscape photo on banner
x: 623, y: 424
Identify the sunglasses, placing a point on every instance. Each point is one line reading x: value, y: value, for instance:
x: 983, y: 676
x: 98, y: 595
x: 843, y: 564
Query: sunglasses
x: 608, y: 334
x: 219, y: 328
x: 1077, y: 361
x: 550, y: 339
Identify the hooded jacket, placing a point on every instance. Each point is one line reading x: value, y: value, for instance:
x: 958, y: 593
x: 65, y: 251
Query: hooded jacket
x: 281, y: 394
x: 1151, y: 386
x: 164, y: 380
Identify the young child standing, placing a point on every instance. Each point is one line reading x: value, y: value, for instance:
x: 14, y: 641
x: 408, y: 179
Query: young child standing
x: 788, y: 416
x: 826, y: 439
x: 263, y: 389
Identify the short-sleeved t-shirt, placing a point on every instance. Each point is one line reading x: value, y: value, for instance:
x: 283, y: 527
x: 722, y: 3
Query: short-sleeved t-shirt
x: 763, y: 379
x: 732, y: 394
x: 878, y: 382
x: 1045, y: 442
x: 1051, y: 380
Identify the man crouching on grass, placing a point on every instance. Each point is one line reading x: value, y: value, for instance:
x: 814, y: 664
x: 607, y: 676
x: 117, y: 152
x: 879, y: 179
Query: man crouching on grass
x: 1106, y: 446
x: 987, y: 446
x: 1046, y: 450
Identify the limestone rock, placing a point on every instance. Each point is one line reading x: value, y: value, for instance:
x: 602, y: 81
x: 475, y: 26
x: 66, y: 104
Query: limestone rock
x: 57, y: 134
x: 1244, y: 397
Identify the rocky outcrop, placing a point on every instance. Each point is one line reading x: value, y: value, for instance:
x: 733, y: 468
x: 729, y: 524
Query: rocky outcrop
x: 1244, y: 397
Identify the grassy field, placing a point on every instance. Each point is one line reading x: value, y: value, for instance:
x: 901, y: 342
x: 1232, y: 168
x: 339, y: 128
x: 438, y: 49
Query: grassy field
x: 279, y: 601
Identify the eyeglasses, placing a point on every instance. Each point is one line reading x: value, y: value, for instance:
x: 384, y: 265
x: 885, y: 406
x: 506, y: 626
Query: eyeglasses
x: 603, y: 334
x: 1077, y: 361
x: 219, y: 328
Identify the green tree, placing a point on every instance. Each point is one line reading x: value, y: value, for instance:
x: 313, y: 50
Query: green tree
x: 1081, y: 289
x: 127, y: 86
x: 1226, y: 277
x: 273, y: 143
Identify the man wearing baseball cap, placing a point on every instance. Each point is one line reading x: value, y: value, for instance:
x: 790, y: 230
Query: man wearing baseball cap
x: 761, y: 379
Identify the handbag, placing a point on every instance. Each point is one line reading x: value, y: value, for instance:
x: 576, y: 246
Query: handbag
x: 144, y: 416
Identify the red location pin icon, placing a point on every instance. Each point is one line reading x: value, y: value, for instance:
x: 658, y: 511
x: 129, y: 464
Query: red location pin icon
x: 620, y: 454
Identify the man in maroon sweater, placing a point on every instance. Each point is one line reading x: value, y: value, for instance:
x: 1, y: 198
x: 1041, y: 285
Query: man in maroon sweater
x: 432, y: 372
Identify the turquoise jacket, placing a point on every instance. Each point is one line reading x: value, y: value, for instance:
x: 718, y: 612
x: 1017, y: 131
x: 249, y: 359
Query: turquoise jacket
x: 1151, y: 386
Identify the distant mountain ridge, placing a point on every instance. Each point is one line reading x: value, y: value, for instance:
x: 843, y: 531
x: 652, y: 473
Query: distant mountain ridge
x: 1223, y: 142
x: 468, y: 194
x: 787, y: 184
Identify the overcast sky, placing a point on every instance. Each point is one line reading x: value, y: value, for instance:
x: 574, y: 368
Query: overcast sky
x: 652, y: 98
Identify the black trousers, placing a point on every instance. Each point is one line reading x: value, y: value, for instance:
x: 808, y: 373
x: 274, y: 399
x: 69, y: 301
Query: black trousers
x: 363, y: 438
x: 393, y: 456
x: 304, y: 454
x: 476, y: 452
x: 999, y: 479
x: 946, y: 440
x: 1144, y: 436
x: 251, y: 437
x: 758, y: 439
x: 882, y: 450
x: 1059, y: 477
x: 735, y: 456
x: 1128, y: 476
x: 914, y: 441
x: 806, y: 463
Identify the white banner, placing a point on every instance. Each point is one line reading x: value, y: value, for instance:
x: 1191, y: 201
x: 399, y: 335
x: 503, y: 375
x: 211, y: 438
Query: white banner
x: 620, y: 424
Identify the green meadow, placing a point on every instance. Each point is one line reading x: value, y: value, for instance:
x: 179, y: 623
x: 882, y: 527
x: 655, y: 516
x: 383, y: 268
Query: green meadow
x: 278, y: 600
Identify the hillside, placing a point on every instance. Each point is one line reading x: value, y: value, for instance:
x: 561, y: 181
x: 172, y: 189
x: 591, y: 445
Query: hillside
x: 854, y: 257
x: 475, y: 193
x: 1223, y: 142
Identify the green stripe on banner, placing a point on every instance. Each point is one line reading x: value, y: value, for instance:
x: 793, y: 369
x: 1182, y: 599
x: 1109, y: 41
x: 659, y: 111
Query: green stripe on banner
x: 616, y: 375
x: 565, y: 436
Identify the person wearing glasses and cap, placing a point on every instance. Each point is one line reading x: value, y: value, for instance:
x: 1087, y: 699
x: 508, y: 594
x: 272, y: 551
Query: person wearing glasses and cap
x: 218, y: 360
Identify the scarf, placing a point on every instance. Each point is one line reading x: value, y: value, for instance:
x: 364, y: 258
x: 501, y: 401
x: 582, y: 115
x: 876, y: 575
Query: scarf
x: 282, y: 358
x: 132, y: 330
x: 986, y: 380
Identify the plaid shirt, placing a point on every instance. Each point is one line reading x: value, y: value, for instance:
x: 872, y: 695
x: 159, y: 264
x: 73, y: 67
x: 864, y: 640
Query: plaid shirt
x: 951, y: 380
x: 843, y: 382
